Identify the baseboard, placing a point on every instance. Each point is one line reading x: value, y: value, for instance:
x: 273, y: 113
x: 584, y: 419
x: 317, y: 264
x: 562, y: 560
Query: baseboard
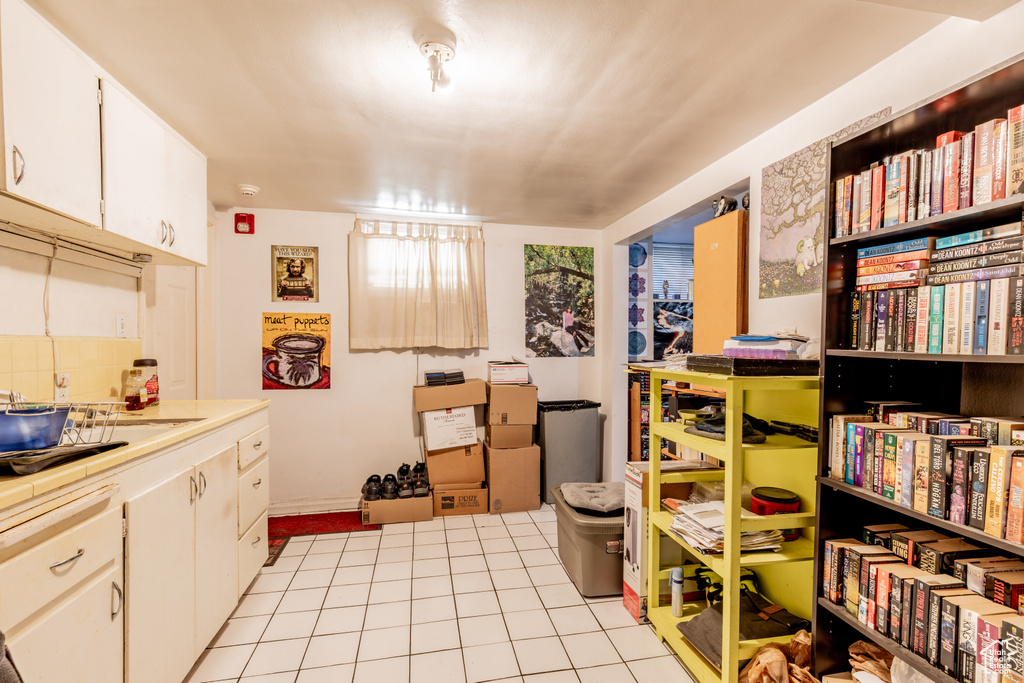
x: 309, y: 507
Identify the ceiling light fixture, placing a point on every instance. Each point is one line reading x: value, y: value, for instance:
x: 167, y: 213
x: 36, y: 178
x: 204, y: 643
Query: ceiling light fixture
x: 437, y: 54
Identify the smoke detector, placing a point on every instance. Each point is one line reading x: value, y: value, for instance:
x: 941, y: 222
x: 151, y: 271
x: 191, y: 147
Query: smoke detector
x: 248, y: 190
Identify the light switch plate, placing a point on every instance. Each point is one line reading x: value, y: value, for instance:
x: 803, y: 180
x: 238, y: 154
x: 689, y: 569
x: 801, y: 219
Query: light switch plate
x: 62, y: 391
x: 122, y: 325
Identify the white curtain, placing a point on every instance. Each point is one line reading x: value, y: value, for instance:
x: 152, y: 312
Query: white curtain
x: 415, y: 284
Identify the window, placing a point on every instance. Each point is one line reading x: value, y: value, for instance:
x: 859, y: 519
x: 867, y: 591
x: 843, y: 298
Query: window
x: 674, y: 263
x: 415, y: 284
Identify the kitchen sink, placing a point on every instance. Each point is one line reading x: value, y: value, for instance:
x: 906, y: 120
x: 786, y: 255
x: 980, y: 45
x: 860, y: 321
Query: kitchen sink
x: 156, y: 421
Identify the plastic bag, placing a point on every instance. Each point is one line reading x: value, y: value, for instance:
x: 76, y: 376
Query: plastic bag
x: 901, y: 672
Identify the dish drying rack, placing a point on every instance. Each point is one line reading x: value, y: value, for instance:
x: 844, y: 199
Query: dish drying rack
x: 87, y: 424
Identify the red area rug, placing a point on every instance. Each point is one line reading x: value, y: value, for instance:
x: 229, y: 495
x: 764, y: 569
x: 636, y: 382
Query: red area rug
x: 325, y: 523
x: 274, y: 548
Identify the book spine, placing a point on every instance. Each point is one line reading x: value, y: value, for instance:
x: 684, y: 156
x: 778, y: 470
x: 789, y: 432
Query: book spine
x: 922, y: 452
x: 1012, y: 636
x: 960, y: 488
x: 892, y: 259
x: 951, y: 320
x: 935, y: 324
x: 1014, y: 150
x: 864, y: 223
x: 837, y: 212
x: 889, y: 467
x: 876, y: 479
x: 877, y: 197
x: 855, y: 194
x: 881, y: 313
x: 891, y: 321
x: 867, y: 321
x: 967, y: 317
x: 938, y: 487
x: 996, y: 232
x: 893, y: 276
x: 1015, y: 502
x: 1015, y: 328
x: 907, y: 613
x: 868, y: 481
x: 891, y: 211
x: 966, y: 171
x: 911, y: 161
x: 916, y: 244
x: 934, y: 621
x: 980, y: 342
x: 924, y: 190
x: 910, y: 320
x: 973, y: 263
x: 919, y: 631
x: 889, y: 286
x: 826, y: 563
x: 993, y: 273
x: 979, y: 489
x: 898, y: 267
x: 966, y: 644
x: 921, y: 336
x: 998, y: 313
x: 907, y: 474
x: 951, y: 177
x: 995, y: 504
x: 854, y: 340
x: 999, y: 145
x: 947, y: 637
x: 858, y: 454
x: 948, y: 137
x: 984, y: 162
x: 937, y: 178
x: 903, y: 188
x: 978, y: 248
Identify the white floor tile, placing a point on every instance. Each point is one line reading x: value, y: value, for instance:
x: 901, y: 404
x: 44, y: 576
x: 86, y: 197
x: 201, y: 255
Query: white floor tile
x: 342, y: 535
x: 340, y: 620
x: 659, y: 669
x: 302, y: 600
x: 530, y: 542
x: 387, y: 615
x: 428, y: 538
x: 477, y: 604
x: 485, y: 630
x: 337, y: 648
x: 290, y: 625
x: 384, y: 643
x: 341, y: 673
x: 436, y: 635
x: 465, y: 548
x: 437, y: 667
x: 344, y: 576
x: 390, y: 591
x: 518, y: 600
x: 271, y: 583
x: 393, y: 529
x: 559, y: 595
x: 519, y: 530
x: 394, y: 669
x: 284, y: 565
x: 426, y: 610
x: 548, y: 527
x: 539, y: 655
x: 359, y: 542
x: 567, y: 676
x: 615, y: 673
x: 546, y: 515
x: 637, y: 642
x: 531, y: 624
x: 293, y: 547
x: 257, y: 604
x: 474, y: 582
x: 511, y: 518
x: 490, y: 662
x: 487, y: 520
x: 430, y: 552
x: 498, y: 545
x: 314, y: 578
x: 487, y: 533
x: 285, y: 677
x: 431, y: 587
x: 552, y: 540
x: 460, y: 535
x: 458, y: 522
x: 385, y: 555
x: 347, y: 596
x: 241, y: 631
x: 570, y: 620
x: 590, y: 649
x: 326, y: 546
x: 503, y: 561
x: 511, y: 578
x: 548, y: 574
x: 538, y: 557
x: 421, y: 568
x: 221, y: 663
x: 612, y: 614
x: 352, y: 558
x: 470, y: 563
x: 323, y: 561
x: 396, y: 541
x: 276, y: 656
x: 431, y: 525
x: 392, y: 571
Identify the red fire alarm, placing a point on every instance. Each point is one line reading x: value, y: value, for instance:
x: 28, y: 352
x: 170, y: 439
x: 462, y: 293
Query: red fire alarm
x: 245, y: 223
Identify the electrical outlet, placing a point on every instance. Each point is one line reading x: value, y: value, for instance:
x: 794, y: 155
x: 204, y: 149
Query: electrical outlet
x: 122, y: 324
x: 62, y: 392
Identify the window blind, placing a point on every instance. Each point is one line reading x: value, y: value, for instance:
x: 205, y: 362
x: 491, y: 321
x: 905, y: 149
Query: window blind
x: 672, y: 262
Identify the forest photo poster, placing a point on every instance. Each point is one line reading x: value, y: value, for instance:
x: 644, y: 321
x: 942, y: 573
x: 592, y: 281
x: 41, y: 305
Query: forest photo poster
x: 559, y: 301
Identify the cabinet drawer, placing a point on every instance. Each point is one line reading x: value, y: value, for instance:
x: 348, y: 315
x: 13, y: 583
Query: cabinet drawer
x: 253, y: 446
x: 42, y: 573
x: 252, y: 553
x: 253, y: 494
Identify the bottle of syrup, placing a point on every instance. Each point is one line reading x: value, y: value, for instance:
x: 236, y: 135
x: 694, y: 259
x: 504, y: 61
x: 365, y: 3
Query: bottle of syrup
x: 135, y: 395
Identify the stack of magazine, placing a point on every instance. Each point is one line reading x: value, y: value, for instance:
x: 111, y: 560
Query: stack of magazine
x: 702, y: 525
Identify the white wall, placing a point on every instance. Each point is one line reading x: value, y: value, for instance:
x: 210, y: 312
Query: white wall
x: 327, y: 442
x: 955, y: 51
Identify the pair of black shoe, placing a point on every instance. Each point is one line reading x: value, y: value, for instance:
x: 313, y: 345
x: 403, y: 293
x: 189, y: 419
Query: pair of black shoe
x: 409, y: 482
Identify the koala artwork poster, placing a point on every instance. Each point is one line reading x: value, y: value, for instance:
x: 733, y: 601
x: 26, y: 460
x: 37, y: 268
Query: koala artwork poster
x: 294, y: 274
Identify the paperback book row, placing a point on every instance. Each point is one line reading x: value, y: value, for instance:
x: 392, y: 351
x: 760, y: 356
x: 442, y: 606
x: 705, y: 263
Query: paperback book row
x: 966, y: 168
x: 962, y: 294
x: 967, y: 470
x: 952, y: 603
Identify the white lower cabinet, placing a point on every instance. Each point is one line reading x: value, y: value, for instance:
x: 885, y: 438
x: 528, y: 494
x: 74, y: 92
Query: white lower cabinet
x: 216, y: 554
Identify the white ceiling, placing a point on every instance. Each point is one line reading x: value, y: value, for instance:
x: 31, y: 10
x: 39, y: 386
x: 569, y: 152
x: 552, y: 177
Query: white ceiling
x: 561, y: 112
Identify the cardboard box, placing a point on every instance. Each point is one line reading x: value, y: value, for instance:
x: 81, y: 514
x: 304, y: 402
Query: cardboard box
x: 640, y: 472
x: 382, y: 511
x: 511, y: 404
x: 473, y: 392
x: 508, y: 372
x: 509, y: 436
x: 460, y: 499
x: 513, y: 476
x: 449, y: 427
x: 456, y: 465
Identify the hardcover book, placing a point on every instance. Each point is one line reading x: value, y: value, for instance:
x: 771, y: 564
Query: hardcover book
x: 915, y: 244
x: 1012, y: 636
x: 906, y: 446
x: 993, y: 273
x: 1015, y: 328
x: 999, y: 172
x: 833, y: 579
x: 912, y: 163
x: 937, y: 189
x: 901, y: 577
x: 987, y: 667
x: 998, y: 488
x: 867, y: 321
x: 996, y: 232
x: 922, y: 467
x: 966, y: 170
x: 854, y: 340
x: 896, y: 259
x: 937, y: 556
x: 1015, y: 150
x: 967, y: 640
x: 840, y: 443
x: 877, y: 197
x: 924, y: 188
x: 910, y: 321
x: 985, y: 160
x: 980, y: 342
x: 924, y: 294
x: 940, y: 470
x: 864, y: 220
x: 891, y: 212
x: 967, y: 317
x: 949, y: 645
x: 934, y: 619
x: 980, y: 459
x: 975, y: 262
x: 895, y: 267
x: 951, y: 320
x: 1007, y: 587
x: 1015, y: 503
x: 935, y: 321
x: 906, y: 544
x: 998, y: 315
x: 976, y: 249
x: 960, y: 488
x: 881, y: 314
x: 951, y: 177
x: 923, y: 586
x: 948, y: 137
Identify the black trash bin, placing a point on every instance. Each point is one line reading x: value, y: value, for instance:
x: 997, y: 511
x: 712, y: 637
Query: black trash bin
x: 569, y: 436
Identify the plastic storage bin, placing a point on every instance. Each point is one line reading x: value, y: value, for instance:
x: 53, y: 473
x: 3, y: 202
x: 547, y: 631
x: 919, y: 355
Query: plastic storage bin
x: 569, y: 439
x: 583, y: 548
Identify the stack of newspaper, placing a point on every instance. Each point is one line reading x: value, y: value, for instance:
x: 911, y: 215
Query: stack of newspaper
x: 703, y: 526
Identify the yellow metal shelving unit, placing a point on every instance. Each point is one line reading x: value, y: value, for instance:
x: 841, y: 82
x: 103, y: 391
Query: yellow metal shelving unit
x: 784, y: 461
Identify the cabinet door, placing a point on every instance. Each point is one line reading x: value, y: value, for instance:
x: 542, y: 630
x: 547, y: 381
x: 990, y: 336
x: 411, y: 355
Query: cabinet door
x: 160, y: 581
x: 81, y: 640
x: 134, y: 193
x: 216, y: 544
x: 185, y: 175
x: 50, y: 115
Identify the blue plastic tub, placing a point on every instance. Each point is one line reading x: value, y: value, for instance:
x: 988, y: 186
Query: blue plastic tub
x: 31, y: 428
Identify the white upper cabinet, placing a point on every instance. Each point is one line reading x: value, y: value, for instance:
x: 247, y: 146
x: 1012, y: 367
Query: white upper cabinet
x: 185, y: 181
x: 50, y: 117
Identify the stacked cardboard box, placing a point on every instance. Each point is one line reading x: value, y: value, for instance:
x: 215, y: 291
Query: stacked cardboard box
x: 454, y: 453
x: 513, y: 460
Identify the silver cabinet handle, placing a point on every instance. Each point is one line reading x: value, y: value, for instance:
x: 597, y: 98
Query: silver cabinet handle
x: 81, y: 551
x: 120, y: 599
x: 256, y: 484
x: 202, y: 484
x: 258, y: 539
x: 171, y: 228
x: 193, y: 489
x: 163, y: 232
x: 257, y: 444
x: 16, y: 155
